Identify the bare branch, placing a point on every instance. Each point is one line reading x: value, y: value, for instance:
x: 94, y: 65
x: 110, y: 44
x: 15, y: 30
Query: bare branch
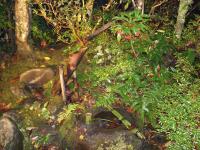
x: 155, y: 6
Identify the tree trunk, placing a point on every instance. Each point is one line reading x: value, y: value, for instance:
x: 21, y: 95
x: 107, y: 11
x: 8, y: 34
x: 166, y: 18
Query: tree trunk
x: 183, y: 9
x: 22, y: 27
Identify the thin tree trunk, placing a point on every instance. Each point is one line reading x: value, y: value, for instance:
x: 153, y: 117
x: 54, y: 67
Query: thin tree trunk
x: 22, y: 27
x: 183, y: 9
x: 140, y: 5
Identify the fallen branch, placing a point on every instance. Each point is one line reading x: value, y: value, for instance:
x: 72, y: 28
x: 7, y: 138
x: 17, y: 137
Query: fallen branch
x: 98, y: 31
x: 125, y: 122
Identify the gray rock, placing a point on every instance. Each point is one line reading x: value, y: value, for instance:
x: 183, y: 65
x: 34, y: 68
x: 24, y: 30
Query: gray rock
x: 99, y: 135
x: 11, y: 137
x: 110, y: 139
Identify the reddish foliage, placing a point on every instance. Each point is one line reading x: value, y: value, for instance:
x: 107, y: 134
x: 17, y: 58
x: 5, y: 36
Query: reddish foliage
x: 14, y: 80
x: 129, y: 110
x: 5, y: 107
x: 127, y: 37
x: 43, y: 44
x: 137, y: 34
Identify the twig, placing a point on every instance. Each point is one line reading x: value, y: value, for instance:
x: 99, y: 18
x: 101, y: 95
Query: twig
x: 98, y: 31
x: 126, y: 123
x: 133, y: 2
x: 194, y: 7
x: 98, y: 22
x: 108, y: 5
x: 155, y: 6
x: 62, y: 84
x: 138, y: 133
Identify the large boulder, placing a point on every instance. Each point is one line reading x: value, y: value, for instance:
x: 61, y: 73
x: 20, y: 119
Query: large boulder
x: 10, y: 136
x: 110, y: 139
x: 105, y: 132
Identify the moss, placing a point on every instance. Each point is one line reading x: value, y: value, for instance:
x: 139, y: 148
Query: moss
x: 118, y: 143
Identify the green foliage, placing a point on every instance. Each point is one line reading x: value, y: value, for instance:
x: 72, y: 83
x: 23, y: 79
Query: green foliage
x: 68, y: 17
x: 165, y: 96
x: 155, y: 46
x: 120, y: 76
x: 41, y: 31
x: 35, y: 113
x: 67, y: 112
x: 178, y: 109
x: 118, y: 143
x: 4, y: 23
x: 190, y: 32
x: 45, y: 112
x: 126, y: 123
x: 132, y: 71
x: 41, y: 140
x: 130, y: 23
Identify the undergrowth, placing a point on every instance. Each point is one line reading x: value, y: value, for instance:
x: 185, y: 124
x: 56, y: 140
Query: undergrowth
x: 154, y: 78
